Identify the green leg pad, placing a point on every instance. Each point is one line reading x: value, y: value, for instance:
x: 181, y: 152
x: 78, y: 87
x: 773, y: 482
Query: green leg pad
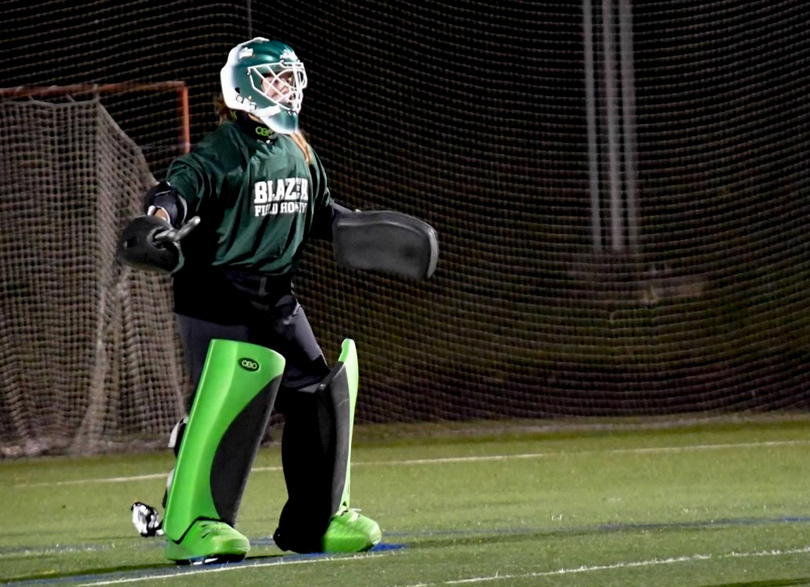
x: 226, y: 423
x: 208, y: 542
x: 316, y: 454
x: 343, y: 382
x: 348, y: 530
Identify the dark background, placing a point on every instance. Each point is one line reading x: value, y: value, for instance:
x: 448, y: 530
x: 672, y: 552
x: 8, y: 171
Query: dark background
x: 472, y: 116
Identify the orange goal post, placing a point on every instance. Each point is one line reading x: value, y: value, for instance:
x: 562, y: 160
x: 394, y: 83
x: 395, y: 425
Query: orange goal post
x: 177, y: 87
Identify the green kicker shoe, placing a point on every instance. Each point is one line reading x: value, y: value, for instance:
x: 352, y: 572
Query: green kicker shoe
x: 349, y: 531
x: 208, y: 542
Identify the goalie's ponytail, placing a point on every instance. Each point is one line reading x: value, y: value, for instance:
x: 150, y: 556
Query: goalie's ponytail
x: 300, y: 140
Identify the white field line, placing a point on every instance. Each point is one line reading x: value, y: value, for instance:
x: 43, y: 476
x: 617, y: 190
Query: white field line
x: 473, y: 459
x: 616, y: 566
x: 483, y: 579
x: 173, y: 574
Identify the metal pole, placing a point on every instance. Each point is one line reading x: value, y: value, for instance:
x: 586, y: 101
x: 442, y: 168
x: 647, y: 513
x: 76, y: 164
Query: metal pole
x: 629, y: 118
x: 590, y: 114
x: 612, y: 121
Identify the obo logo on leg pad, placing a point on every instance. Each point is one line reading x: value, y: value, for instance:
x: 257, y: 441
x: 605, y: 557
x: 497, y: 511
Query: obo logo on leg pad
x: 248, y: 364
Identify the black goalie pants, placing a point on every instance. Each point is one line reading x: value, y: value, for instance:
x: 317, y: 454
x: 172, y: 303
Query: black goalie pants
x: 264, y: 311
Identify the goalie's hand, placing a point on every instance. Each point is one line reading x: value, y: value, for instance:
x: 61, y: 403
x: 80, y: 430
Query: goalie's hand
x: 150, y: 243
x: 385, y: 241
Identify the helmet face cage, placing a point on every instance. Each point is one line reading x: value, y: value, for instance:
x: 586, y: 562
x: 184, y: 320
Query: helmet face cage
x: 281, y: 83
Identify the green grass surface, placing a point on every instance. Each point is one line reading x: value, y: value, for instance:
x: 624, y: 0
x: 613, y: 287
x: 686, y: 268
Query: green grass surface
x: 715, y: 503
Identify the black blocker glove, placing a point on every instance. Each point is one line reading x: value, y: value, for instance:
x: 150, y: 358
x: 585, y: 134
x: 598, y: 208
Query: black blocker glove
x: 152, y: 244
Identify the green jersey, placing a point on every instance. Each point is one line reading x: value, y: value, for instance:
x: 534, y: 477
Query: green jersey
x: 257, y: 199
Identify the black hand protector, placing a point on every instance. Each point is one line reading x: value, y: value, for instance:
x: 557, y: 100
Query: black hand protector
x: 140, y: 246
x: 385, y: 241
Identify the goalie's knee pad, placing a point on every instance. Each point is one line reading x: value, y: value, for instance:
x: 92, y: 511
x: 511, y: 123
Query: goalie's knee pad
x: 225, y: 426
x: 316, y: 455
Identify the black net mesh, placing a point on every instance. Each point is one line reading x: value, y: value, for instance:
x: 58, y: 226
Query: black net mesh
x: 474, y: 117
x: 89, y: 355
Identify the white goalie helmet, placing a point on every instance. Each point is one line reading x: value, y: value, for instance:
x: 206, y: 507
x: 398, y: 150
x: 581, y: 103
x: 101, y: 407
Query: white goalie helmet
x: 266, y: 79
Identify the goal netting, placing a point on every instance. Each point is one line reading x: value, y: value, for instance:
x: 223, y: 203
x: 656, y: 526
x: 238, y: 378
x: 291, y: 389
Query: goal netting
x: 88, y: 353
x: 620, y: 189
